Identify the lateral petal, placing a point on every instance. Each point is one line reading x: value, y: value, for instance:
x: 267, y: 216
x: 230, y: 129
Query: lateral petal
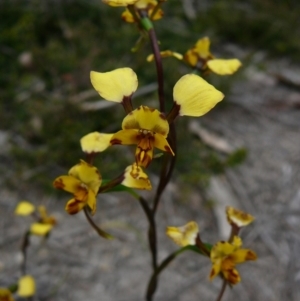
x: 116, y: 84
x: 95, y: 142
x: 24, y: 208
x: 195, y: 96
x: 26, y: 286
x: 224, y: 67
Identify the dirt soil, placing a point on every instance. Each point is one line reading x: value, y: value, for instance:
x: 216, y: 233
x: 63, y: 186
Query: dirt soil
x: 75, y: 264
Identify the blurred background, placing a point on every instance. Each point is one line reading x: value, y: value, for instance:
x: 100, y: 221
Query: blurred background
x: 244, y: 153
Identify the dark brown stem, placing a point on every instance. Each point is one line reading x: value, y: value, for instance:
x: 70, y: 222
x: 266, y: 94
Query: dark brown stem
x: 158, y: 63
x: 127, y: 105
x: 222, y: 290
x: 167, y: 168
x: 24, y: 246
x: 202, y: 246
x: 151, y: 231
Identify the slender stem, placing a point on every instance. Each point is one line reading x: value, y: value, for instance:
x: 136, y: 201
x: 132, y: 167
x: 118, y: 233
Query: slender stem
x: 153, y: 280
x: 24, y: 246
x: 222, y: 290
x: 167, y: 168
x: 94, y: 226
x: 158, y: 61
x: 151, y: 231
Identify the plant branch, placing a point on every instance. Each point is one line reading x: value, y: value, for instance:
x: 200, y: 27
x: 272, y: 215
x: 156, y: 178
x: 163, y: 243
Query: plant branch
x: 222, y: 290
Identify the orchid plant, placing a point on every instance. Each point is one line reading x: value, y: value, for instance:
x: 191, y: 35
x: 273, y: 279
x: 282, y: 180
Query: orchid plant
x: 150, y: 129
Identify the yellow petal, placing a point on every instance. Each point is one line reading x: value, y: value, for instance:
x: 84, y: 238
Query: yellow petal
x: 191, y: 57
x: 146, y: 118
x: 237, y: 242
x: 26, y: 286
x: 195, y: 96
x: 74, y: 206
x: 220, y: 250
x: 161, y: 143
x: 165, y: 53
x: 92, y: 202
x: 125, y: 137
x: 119, y: 2
x: 45, y: 218
x: 40, y: 229
x: 116, y: 84
x: 224, y: 67
x: 5, y: 295
x: 95, y: 142
x: 135, y: 177
x: 185, y: 235
x: 238, y: 218
x: 215, y: 270
x: 232, y: 276
x: 87, y: 174
x: 202, y: 48
x: 243, y: 255
x: 145, y: 4
x: 24, y: 208
x: 67, y: 183
x: 127, y: 16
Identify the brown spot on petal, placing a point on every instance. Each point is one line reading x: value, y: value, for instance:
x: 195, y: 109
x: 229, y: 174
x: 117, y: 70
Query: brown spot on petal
x: 162, y: 116
x: 168, y: 149
x: 115, y: 141
x: 59, y: 184
x: 232, y: 276
x: 251, y: 255
x: 73, y: 207
x: 212, y: 273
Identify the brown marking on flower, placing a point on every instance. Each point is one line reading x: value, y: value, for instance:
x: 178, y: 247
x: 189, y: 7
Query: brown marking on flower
x: 212, y: 273
x: 59, y: 184
x: 232, y: 276
x: 115, y: 141
x: 73, y: 207
x: 162, y: 116
x: 168, y: 149
x: 251, y: 255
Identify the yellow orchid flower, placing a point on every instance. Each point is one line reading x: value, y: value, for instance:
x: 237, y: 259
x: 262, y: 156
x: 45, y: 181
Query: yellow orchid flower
x: 5, y: 294
x: 83, y: 181
x: 238, y: 218
x: 95, y: 142
x: 44, y: 222
x: 184, y: 235
x: 224, y: 256
x: 119, y: 2
x: 200, y: 54
x: 148, y: 5
x: 165, y: 53
x: 26, y: 286
x: 135, y: 177
x: 146, y: 127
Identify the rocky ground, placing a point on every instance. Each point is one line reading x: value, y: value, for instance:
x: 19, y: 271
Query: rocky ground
x: 75, y: 264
